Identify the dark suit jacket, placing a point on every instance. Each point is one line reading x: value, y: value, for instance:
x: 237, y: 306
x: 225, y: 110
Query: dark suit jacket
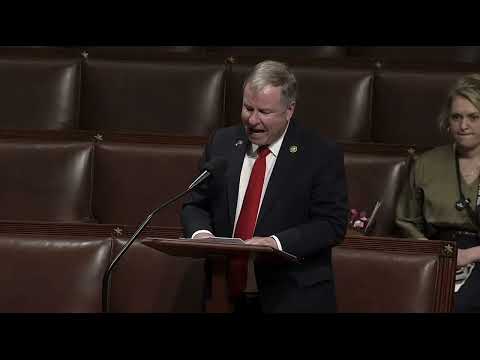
x: 305, y: 206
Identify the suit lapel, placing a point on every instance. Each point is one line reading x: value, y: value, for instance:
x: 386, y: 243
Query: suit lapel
x: 280, y: 175
x: 239, y: 146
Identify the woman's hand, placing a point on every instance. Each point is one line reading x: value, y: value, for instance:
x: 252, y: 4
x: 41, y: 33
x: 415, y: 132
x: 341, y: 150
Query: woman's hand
x: 468, y: 256
x: 464, y: 257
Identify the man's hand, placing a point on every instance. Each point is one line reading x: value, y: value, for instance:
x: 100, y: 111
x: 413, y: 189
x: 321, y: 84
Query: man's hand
x: 265, y: 241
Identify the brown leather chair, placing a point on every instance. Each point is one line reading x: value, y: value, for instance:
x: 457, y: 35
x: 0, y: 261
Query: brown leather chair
x: 172, y: 97
x: 131, y: 180
x: 332, y: 99
x: 376, y: 173
x: 376, y: 275
x: 407, y: 102
x: 271, y: 52
x: 61, y: 274
x: 141, y: 53
x: 46, y: 180
x: 418, y: 54
x: 44, y: 52
x: 147, y: 280
x: 39, y: 93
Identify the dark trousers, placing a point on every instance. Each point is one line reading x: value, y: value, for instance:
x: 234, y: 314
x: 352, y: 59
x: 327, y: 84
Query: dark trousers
x: 288, y: 296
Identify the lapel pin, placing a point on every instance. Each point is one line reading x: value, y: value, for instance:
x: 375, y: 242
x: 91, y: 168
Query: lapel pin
x: 293, y: 149
x: 238, y: 142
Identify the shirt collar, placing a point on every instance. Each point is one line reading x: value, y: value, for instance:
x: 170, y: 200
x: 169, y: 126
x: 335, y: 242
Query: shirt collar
x: 274, y: 147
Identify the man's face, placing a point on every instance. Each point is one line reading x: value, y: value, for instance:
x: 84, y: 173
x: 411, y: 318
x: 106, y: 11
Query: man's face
x: 264, y: 115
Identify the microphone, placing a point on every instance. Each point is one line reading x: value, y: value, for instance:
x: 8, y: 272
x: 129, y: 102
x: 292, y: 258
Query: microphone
x: 214, y: 167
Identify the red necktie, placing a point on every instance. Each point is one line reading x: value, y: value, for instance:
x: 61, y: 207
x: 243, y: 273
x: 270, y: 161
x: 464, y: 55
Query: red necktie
x: 247, y: 220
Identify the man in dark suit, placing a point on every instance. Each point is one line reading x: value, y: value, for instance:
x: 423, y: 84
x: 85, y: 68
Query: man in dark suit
x: 284, y: 187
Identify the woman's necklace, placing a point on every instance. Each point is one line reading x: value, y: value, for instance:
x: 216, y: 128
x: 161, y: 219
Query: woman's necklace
x: 470, y: 170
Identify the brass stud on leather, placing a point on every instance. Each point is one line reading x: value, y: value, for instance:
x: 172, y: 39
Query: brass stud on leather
x: 448, y: 250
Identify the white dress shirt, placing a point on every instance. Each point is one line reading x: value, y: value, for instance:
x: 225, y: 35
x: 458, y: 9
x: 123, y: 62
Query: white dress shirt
x: 248, y: 162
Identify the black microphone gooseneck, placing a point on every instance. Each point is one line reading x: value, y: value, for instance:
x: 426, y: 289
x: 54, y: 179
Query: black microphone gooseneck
x: 215, y: 165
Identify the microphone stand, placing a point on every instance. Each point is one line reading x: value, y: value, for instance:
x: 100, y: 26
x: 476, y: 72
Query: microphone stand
x: 106, y: 277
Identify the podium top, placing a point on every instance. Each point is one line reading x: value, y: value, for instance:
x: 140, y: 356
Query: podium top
x: 202, y: 248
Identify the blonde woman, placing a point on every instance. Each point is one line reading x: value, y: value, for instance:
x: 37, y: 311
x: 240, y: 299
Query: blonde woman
x: 442, y: 199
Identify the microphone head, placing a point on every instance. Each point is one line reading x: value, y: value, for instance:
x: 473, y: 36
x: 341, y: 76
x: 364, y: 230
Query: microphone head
x: 216, y: 166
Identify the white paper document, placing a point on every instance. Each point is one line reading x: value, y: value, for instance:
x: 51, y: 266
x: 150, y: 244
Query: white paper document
x: 236, y: 241
x: 219, y: 240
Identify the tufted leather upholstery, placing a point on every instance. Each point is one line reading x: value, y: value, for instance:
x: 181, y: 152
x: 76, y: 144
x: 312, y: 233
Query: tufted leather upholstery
x: 46, y: 180
x: 271, y: 52
x: 147, y: 280
x: 407, y: 103
x: 393, y: 275
x: 39, y: 93
x: 140, y: 53
x: 419, y: 54
x: 390, y: 170
x: 133, y: 179
x: 52, y: 274
x: 166, y: 97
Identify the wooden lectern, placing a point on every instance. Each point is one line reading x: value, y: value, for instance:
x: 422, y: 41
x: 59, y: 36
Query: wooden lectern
x: 218, y: 253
